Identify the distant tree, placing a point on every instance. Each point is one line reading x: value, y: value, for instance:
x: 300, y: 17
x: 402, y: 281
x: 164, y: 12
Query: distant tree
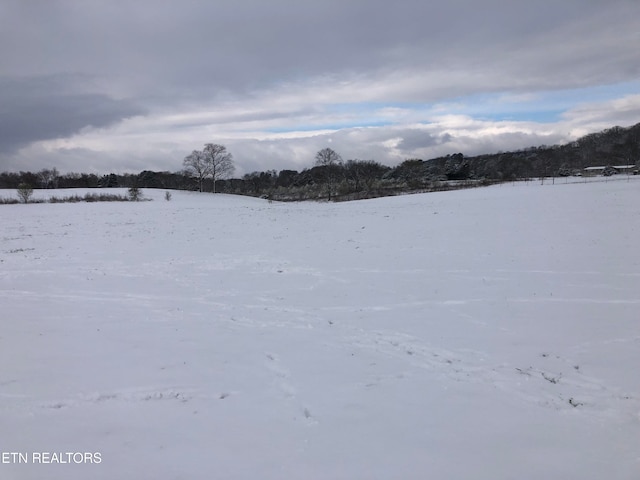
x: 150, y: 179
x: 372, y: 172
x: 48, y: 178
x: 362, y: 174
x: 456, y: 167
x: 29, y: 178
x: 219, y: 162
x: 412, y: 172
x: 258, y: 182
x: 331, y: 164
x: 135, y: 194
x: 109, y: 181
x: 286, y: 178
x: 196, y: 166
x: 9, y: 180
x: 24, y: 192
x: 252, y: 180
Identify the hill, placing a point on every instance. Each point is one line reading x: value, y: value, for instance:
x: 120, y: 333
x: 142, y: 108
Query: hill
x: 483, y: 333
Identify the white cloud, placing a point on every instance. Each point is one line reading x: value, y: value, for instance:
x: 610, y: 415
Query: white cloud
x: 587, y: 117
x: 421, y: 133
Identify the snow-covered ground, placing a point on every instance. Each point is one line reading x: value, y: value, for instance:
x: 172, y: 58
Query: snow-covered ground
x: 491, y: 333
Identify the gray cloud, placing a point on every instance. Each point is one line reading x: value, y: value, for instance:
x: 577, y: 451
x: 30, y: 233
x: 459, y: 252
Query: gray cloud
x: 174, y: 47
x: 413, y: 140
x: 40, y: 108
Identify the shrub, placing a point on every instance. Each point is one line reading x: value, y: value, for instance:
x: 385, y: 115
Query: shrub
x: 24, y: 192
x: 134, y: 194
x: 104, y: 197
x: 87, y: 197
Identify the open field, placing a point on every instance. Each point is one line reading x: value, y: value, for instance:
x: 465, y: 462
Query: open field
x: 490, y: 333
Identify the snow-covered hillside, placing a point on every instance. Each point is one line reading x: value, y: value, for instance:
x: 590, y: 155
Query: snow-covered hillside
x: 480, y: 334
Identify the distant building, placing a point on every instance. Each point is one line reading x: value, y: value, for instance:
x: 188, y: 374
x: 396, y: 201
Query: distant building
x: 608, y: 170
x: 593, y: 171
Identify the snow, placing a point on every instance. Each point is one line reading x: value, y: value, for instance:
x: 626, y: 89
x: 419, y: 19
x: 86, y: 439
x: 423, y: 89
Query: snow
x: 489, y: 333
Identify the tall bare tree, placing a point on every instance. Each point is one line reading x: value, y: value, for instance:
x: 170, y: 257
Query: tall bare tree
x: 218, y: 161
x: 331, y: 163
x: 196, y: 165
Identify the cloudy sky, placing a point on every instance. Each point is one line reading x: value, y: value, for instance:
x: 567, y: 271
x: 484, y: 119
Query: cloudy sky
x: 127, y: 85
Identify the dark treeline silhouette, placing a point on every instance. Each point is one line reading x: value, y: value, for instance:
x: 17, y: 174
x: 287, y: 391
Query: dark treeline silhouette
x: 148, y: 179
x: 354, y: 179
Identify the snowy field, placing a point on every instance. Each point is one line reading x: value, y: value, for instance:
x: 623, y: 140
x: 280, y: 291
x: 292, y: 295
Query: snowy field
x: 491, y: 333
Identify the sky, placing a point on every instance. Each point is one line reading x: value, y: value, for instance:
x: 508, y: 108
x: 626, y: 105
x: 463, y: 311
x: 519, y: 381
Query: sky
x: 119, y: 86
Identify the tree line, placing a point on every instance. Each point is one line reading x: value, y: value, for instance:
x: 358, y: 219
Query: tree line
x: 330, y: 177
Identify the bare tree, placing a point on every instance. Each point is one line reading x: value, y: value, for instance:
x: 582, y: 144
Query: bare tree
x: 218, y: 161
x: 48, y: 178
x: 362, y: 174
x: 196, y: 165
x: 331, y: 163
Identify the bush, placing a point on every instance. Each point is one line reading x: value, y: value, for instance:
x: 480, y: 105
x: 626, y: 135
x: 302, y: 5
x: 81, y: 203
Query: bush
x: 134, y: 194
x: 24, y: 192
x: 103, y: 197
x: 88, y: 197
x: 71, y: 199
